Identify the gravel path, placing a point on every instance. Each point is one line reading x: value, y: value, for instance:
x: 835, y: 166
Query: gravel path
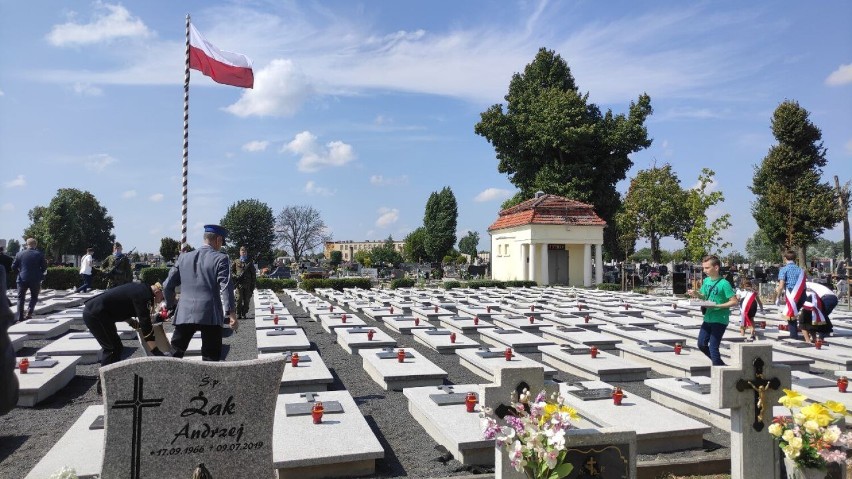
x: 26, y: 434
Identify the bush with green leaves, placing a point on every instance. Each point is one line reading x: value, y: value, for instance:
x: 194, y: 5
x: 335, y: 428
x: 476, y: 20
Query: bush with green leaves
x: 153, y: 275
x: 452, y: 284
x: 402, y: 283
x: 609, y: 287
x: 336, y: 283
x: 276, y: 284
x: 61, y: 277
x: 520, y: 283
x: 485, y: 283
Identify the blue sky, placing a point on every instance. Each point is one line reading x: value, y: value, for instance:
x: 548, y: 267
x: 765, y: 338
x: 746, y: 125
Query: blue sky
x: 363, y: 109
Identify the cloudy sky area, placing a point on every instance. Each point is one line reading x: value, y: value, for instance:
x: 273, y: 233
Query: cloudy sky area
x: 363, y: 109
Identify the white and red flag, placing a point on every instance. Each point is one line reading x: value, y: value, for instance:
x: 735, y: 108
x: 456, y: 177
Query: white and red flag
x: 223, y: 67
x: 794, y: 297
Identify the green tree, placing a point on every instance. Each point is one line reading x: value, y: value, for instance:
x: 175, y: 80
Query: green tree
x: 824, y: 248
x: 655, y: 202
x: 363, y: 257
x: 169, y: 249
x: 760, y: 248
x: 73, y: 221
x: 469, y: 244
x: 551, y: 138
x: 13, y: 247
x: 335, y: 258
x: 735, y: 257
x: 300, y: 230
x: 386, y: 254
x: 793, y: 206
x: 250, y: 223
x: 414, y: 248
x: 701, y: 238
x: 440, y: 222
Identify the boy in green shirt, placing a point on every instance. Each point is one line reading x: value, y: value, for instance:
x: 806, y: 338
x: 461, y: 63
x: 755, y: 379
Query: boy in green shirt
x: 715, y: 289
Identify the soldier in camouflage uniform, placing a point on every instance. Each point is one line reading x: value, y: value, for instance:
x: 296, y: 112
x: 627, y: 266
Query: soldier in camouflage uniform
x: 244, y: 277
x: 117, y: 268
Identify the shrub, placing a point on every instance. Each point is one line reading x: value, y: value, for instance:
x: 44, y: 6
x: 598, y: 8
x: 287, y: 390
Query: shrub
x: 609, y: 287
x: 276, y: 284
x: 153, y: 275
x: 485, y: 283
x: 402, y: 283
x: 61, y: 277
x: 640, y: 290
x: 336, y: 283
x: 452, y: 284
x: 520, y: 283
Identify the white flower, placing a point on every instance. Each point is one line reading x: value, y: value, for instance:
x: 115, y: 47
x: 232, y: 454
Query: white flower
x: 64, y: 473
x: 811, y: 426
x: 788, y: 435
x: 775, y: 429
x: 831, y: 434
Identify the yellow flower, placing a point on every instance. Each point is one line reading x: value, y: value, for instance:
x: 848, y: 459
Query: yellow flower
x: 775, y: 429
x: 788, y: 435
x: 791, y: 399
x: 572, y: 413
x: 817, y: 412
x: 835, y: 406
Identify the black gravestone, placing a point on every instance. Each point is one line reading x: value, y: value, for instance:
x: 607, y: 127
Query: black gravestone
x: 679, y: 283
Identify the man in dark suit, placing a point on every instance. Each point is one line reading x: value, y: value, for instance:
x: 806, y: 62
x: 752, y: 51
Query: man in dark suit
x: 8, y: 379
x: 6, y: 263
x: 206, y: 295
x: 30, y: 266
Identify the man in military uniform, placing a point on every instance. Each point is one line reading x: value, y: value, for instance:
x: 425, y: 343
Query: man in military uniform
x: 117, y: 268
x: 206, y: 295
x: 244, y: 276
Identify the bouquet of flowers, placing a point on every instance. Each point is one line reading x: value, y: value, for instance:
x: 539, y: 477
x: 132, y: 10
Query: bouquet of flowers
x: 534, y: 437
x: 810, y: 437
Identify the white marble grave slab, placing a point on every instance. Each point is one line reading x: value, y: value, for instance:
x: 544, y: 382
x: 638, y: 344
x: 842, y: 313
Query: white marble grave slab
x: 580, y: 336
x: 690, y: 362
x: 270, y: 343
x: 343, y: 445
x: 821, y: 389
x: 42, y: 328
x: 39, y: 384
x: 621, y: 319
x: 828, y: 357
x: 267, y: 321
x: 18, y: 341
x: 586, y: 321
x: 406, y: 324
x: 80, y: 448
x: 334, y: 321
x: 310, y: 374
x: 466, y: 324
x: 353, y: 339
x: 522, y: 322
x: 639, y: 335
x: 489, y: 367
x: 74, y: 343
x: 438, y: 339
x: 605, y: 366
x: 413, y: 371
x: 520, y: 341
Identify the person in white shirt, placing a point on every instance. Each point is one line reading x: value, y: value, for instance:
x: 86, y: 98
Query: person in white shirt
x: 86, y: 271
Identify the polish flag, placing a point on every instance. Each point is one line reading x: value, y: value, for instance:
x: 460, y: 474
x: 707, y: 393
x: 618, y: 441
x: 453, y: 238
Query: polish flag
x: 223, y: 67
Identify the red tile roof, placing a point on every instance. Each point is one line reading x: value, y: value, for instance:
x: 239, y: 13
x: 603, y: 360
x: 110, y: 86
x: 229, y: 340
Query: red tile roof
x: 548, y: 210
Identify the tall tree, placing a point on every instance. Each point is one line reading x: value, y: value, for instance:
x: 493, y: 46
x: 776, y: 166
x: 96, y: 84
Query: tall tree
x: 73, y: 221
x: 439, y: 221
x: 793, y: 206
x: 169, y: 249
x: 386, y: 254
x: 335, y: 258
x: 551, y: 138
x: 469, y: 244
x: 701, y: 238
x: 300, y: 229
x: 655, y: 203
x: 760, y: 248
x: 250, y: 223
x: 414, y: 248
x: 13, y: 247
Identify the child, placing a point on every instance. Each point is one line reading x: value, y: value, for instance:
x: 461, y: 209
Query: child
x: 749, y: 302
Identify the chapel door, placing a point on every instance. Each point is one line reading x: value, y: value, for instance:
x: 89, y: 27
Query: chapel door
x: 558, y: 265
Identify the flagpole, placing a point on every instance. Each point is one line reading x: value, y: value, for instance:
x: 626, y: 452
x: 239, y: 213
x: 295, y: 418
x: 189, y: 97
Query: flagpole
x: 185, y: 141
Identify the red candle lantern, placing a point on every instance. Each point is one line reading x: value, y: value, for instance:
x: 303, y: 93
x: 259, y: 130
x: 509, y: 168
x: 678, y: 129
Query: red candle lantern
x: 677, y: 348
x: 271, y: 309
x: 316, y: 412
x: 818, y: 344
x: 275, y: 320
x: 294, y: 359
x: 488, y: 309
x: 370, y: 334
x: 508, y: 354
x: 452, y: 338
x: 391, y: 310
x: 470, y: 402
x: 475, y: 320
x: 587, y: 318
x: 400, y: 355
x: 762, y: 325
x: 436, y: 308
x: 532, y: 319
x: 626, y: 306
x: 842, y: 384
x: 417, y: 321
x: 330, y: 308
x: 532, y: 307
x: 24, y: 365
x: 164, y: 313
x: 617, y: 396
x: 593, y: 351
x: 343, y: 318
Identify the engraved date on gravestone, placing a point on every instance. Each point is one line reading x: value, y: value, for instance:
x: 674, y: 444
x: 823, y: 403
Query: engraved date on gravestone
x: 437, y: 332
x: 592, y: 394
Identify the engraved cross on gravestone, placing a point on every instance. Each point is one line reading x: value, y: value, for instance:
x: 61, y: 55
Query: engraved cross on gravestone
x: 752, y: 382
x: 137, y: 403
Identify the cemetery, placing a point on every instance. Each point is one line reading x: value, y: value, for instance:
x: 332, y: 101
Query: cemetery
x: 405, y: 401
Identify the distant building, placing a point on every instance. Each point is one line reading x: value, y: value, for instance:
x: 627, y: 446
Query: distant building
x: 349, y: 248
x: 547, y: 239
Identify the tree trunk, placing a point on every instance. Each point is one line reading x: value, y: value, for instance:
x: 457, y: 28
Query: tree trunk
x: 802, y: 252
x: 655, y: 248
x: 845, y: 211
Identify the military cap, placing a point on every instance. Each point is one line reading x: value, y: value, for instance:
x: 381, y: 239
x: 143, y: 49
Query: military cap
x: 216, y: 229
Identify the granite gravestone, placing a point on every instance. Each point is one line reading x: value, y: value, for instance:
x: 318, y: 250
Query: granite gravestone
x: 166, y: 416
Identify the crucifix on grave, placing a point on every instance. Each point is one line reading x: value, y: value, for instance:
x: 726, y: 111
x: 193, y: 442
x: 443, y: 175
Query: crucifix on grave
x: 750, y: 387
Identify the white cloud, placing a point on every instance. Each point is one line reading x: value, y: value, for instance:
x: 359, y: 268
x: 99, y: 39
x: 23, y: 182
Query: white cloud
x: 7, y: 207
x: 379, y: 180
x: 156, y: 197
x: 711, y: 187
x: 312, y: 188
x: 279, y: 90
x: 314, y: 156
x: 256, y: 145
x: 16, y: 183
x: 109, y: 22
x: 841, y: 76
x: 98, y: 162
x: 492, y: 194
x: 387, y: 217
x: 129, y: 194
x: 86, y: 89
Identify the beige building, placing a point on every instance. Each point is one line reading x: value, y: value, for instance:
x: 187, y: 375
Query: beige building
x: 548, y: 239
x: 349, y: 248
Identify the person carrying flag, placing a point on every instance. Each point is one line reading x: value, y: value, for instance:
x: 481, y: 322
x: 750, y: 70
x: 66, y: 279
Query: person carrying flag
x: 813, y: 316
x: 749, y: 302
x: 791, y: 283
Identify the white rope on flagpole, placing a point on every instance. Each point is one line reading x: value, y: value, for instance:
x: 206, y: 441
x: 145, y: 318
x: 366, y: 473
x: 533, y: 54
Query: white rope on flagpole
x: 185, y: 142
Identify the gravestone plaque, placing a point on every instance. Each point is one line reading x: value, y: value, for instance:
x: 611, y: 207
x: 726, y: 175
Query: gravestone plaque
x: 592, y: 394
x: 165, y: 416
x: 487, y: 353
x: 658, y: 349
x: 42, y: 363
x: 305, y: 408
x: 798, y: 344
x: 357, y: 330
x: 611, y: 460
x: 43, y: 321
x: 98, y: 423
x: 567, y: 348
x: 566, y: 329
x: 506, y: 331
x: 631, y: 328
x: 448, y: 397
x: 303, y: 358
x: 281, y: 332
x: 81, y: 336
x: 437, y: 332
x: 392, y: 355
x: 694, y: 386
x: 803, y: 382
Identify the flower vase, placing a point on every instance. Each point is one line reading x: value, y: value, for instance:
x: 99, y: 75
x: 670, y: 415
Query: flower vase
x: 795, y: 471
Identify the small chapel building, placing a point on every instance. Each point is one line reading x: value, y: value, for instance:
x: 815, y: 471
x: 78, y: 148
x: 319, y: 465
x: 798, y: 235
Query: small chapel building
x: 548, y: 239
